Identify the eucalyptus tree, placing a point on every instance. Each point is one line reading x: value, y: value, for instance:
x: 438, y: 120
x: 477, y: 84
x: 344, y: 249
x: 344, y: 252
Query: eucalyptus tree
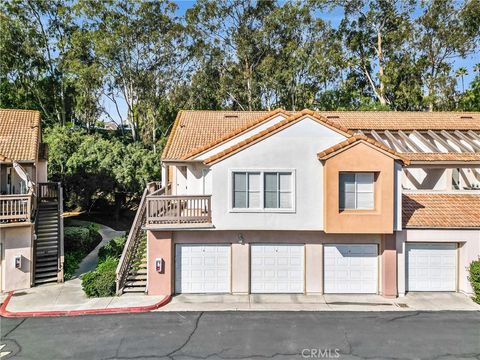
x: 233, y: 29
x: 443, y: 33
x: 375, y: 35
x: 35, y: 38
x: 139, y: 47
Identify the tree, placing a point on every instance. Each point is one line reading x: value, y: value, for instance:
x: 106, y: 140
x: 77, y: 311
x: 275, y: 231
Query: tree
x: 461, y: 72
x: 232, y: 28
x: 139, y: 48
x: 442, y: 35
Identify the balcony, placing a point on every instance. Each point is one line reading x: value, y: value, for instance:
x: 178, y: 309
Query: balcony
x: 15, y: 208
x: 178, y: 211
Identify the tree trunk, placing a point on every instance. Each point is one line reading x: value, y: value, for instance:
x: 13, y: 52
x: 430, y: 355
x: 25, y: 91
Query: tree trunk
x: 381, y: 91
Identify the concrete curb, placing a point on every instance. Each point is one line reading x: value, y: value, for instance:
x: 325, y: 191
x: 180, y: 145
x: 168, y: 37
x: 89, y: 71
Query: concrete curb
x: 134, y: 309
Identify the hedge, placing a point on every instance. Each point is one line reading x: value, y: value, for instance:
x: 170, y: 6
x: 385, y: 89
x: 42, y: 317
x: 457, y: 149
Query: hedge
x: 112, y: 249
x: 79, y: 241
x: 101, y: 281
x: 474, y: 278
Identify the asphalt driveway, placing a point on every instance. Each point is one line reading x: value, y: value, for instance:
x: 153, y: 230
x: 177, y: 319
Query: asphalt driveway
x: 246, y: 335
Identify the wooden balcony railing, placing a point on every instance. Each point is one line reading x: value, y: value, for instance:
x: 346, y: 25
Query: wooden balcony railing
x: 48, y: 191
x: 179, y: 209
x: 15, y: 208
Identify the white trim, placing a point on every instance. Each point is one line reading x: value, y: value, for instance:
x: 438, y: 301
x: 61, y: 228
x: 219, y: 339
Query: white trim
x: 262, y: 208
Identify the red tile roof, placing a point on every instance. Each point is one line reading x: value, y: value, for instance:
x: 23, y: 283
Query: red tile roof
x: 19, y: 135
x: 429, y: 210
x: 325, y: 154
x: 196, y: 131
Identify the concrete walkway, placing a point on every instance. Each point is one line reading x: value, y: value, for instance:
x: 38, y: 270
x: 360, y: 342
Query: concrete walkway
x: 70, y: 296
x: 91, y: 260
x: 299, y: 302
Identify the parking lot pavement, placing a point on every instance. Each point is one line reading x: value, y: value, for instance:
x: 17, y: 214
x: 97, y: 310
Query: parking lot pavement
x: 247, y: 335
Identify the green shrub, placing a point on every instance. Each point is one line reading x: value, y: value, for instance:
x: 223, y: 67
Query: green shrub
x: 79, y: 241
x: 76, y: 237
x: 71, y: 261
x: 474, y: 278
x: 113, y: 249
x: 101, y: 281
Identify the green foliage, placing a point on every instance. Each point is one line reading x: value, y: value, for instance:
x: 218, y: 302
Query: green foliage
x: 470, y: 100
x: 79, y: 241
x: 91, y: 166
x: 474, y: 278
x: 113, y: 249
x: 101, y: 281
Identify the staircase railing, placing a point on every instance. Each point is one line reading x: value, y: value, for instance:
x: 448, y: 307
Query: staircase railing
x: 134, y: 238
x: 53, y: 192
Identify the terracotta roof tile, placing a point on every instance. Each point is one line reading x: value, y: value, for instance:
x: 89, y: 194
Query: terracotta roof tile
x: 405, y: 120
x: 235, y: 132
x: 19, y: 134
x: 194, y: 131
x: 442, y: 156
x: 323, y: 155
x: 427, y: 210
x: 272, y: 129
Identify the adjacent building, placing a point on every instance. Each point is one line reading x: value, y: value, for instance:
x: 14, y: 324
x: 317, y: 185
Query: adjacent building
x: 31, y: 233
x: 310, y: 202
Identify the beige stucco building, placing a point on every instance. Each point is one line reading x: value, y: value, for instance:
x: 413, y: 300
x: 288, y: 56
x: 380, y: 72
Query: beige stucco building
x: 31, y: 234
x: 311, y: 202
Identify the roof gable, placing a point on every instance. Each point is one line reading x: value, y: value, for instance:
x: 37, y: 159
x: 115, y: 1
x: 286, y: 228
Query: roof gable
x: 293, y: 119
x: 360, y: 139
x: 19, y: 135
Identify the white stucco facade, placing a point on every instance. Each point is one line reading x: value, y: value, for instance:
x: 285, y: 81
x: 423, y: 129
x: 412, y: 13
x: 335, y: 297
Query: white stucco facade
x: 293, y: 149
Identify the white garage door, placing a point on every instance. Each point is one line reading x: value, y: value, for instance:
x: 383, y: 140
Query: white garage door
x: 277, y: 268
x: 350, y: 269
x: 431, y: 267
x: 202, y: 268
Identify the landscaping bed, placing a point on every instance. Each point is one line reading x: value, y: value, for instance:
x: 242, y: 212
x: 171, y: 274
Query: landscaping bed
x: 79, y: 241
x: 101, y: 281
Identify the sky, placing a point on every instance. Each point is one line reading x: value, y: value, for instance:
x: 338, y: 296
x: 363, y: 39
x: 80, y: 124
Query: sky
x: 334, y: 17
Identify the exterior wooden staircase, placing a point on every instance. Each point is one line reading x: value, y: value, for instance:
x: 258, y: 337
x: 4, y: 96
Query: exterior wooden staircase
x: 137, y: 274
x: 48, y: 246
x: 131, y: 273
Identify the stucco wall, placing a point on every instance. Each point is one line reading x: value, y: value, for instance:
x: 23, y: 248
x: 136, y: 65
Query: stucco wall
x: 159, y: 245
x: 42, y: 174
x: 360, y: 158
x: 16, y: 241
x: 469, y: 250
x: 294, y: 148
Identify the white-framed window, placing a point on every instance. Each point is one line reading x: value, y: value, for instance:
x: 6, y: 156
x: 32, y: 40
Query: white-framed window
x: 246, y: 190
x: 357, y: 191
x: 278, y: 190
x: 262, y: 190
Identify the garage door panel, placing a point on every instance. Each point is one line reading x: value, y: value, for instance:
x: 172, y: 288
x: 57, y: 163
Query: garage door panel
x: 277, y: 268
x: 431, y: 267
x: 202, y: 268
x: 350, y: 268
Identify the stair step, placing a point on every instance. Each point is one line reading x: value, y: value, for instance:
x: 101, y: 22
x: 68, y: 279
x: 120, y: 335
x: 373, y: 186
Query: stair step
x: 50, y: 269
x: 46, y: 259
x: 43, y: 225
x: 46, y: 280
x: 47, y: 252
x: 46, y: 264
x: 136, y: 277
x: 134, y: 290
x: 138, y: 271
x: 46, y: 274
x: 47, y: 238
x: 46, y: 243
x: 136, y: 283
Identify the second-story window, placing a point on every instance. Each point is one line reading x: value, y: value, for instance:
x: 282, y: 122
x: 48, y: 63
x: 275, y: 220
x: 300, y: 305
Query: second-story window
x: 278, y: 190
x: 246, y: 190
x: 263, y: 190
x: 357, y: 191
